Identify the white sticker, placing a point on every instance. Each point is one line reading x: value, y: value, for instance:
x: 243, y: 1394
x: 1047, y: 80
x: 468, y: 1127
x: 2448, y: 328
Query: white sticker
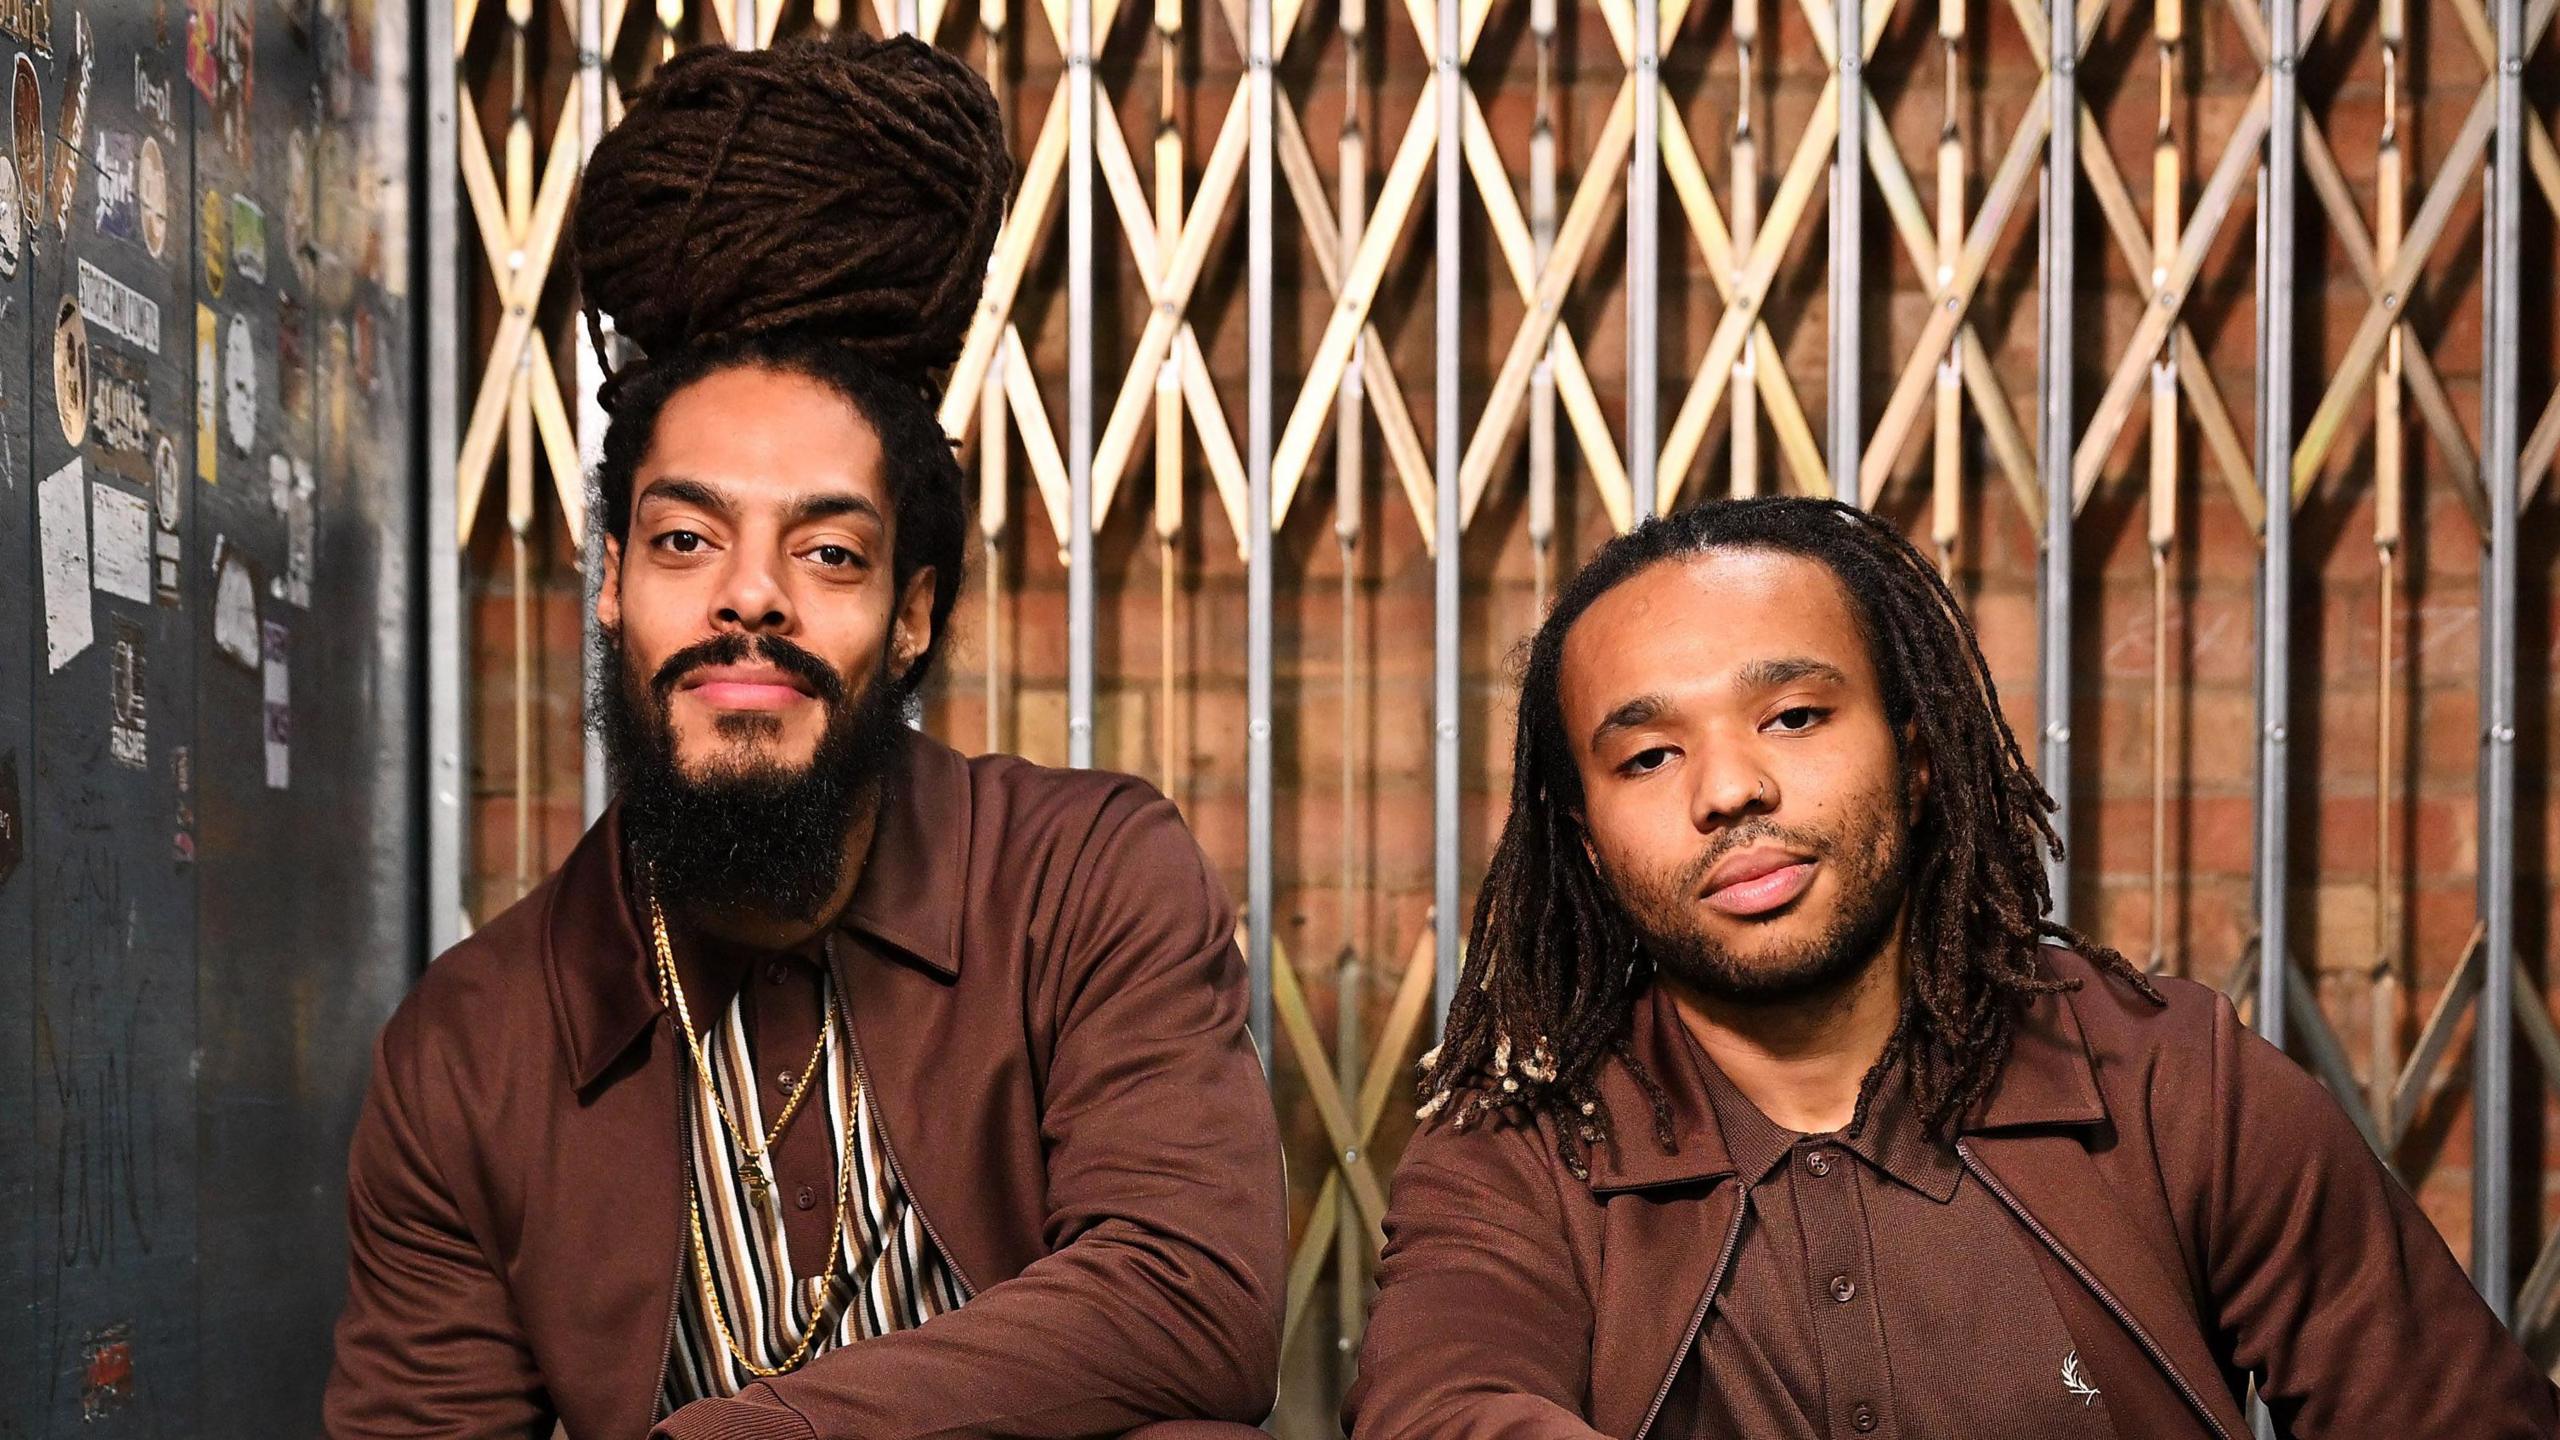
x: 13, y: 223
x: 120, y: 542
x: 62, y: 519
x: 235, y: 606
x: 242, y: 362
x: 119, y: 309
x: 289, y: 489
x: 279, y: 709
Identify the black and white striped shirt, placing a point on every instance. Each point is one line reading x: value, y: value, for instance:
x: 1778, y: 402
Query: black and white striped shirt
x: 889, y: 1274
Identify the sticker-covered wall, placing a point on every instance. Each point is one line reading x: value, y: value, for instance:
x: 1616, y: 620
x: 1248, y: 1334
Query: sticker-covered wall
x: 208, y: 854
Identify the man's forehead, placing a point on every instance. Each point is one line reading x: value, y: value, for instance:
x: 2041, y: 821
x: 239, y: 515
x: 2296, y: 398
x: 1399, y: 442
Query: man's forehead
x: 762, y: 439
x: 1712, y: 620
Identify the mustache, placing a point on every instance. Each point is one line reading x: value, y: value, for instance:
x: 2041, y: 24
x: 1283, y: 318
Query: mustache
x: 1743, y: 836
x: 732, y: 648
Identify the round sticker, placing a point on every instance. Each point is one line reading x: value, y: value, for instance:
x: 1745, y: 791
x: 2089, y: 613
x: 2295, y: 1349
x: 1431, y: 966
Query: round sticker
x: 242, y: 363
x: 166, y: 493
x: 151, y: 182
x: 213, y: 227
x: 26, y: 119
x: 71, y: 371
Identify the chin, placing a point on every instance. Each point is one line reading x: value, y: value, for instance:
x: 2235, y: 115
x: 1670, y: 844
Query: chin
x: 757, y: 750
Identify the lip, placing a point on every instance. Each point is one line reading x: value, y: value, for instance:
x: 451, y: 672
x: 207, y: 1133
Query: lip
x: 743, y: 687
x: 1758, y: 880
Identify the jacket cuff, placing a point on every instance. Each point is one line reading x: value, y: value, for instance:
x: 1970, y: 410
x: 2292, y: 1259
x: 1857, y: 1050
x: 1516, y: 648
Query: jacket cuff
x: 754, y: 1415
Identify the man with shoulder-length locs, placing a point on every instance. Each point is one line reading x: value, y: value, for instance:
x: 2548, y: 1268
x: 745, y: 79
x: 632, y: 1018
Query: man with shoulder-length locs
x: 1772, y: 1104
x: 836, y: 1085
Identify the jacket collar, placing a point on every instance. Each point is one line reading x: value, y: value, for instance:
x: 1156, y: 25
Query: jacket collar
x: 2048, y: 1080
x: 597, y: 961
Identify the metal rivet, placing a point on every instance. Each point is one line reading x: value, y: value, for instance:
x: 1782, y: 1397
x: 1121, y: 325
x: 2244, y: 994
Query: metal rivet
x: 2275, y: 732
x: 1258, y: 729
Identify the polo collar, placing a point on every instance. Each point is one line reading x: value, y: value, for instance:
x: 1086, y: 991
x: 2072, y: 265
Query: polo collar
x: 2048, y: 1080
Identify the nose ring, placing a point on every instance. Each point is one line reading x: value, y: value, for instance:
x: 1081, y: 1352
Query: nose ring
x: 1761, y: 789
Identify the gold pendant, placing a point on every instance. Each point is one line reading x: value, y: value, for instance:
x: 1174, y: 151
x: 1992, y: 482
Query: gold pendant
x: 752, y: 1172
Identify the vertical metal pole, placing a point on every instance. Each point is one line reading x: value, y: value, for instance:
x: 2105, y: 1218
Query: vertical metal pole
x: 1080, y: 383
x: 1644, y: 264
x: 2279, y: 184
x: 1449, y: 542
x: 2493, y: 1042
x: 2053, y: 579
x: 591, y: 417
x: 1542, y: 243
x: 1260, y: 216
x: 1848, y: 260
x: 742, y: 25
x: 906, y: 17
x: 448, y: 623
x: 1743, y: 475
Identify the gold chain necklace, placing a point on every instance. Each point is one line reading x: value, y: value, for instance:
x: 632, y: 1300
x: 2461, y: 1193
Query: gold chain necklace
x: 671, y: 990
x: 753, y: 1171
x: 819, y: 1311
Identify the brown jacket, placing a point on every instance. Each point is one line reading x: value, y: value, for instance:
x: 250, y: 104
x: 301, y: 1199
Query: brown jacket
x: 2206, y: 1194
x: 1048, y: 1008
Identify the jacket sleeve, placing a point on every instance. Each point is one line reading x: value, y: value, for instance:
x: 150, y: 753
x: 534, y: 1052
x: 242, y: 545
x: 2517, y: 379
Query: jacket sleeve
x: 427, y: 1344
x: 2330, y: 1285
x: 1167, y: 1228
x: 1482, y: 1327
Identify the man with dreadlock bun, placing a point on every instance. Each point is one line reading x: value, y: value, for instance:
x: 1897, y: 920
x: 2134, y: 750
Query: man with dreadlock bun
x: 1771, y: 1104
x: 836, y: 1084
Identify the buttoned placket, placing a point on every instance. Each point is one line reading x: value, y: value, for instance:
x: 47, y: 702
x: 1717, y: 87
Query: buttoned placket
x: 1827, y: 1185
x: 784, y: 1000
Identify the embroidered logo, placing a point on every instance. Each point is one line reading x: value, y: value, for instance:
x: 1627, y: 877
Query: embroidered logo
x: 2075, y: 1380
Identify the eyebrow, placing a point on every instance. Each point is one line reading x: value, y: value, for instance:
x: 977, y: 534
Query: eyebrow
x: 801, y: 510
x: 675, y: 489
x: 1643, y: 710
x: 1632, y: 714
x: 1770, y: 674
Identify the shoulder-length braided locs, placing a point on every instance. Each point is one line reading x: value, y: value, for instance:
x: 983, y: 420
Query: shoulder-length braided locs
x: 1553, y: 970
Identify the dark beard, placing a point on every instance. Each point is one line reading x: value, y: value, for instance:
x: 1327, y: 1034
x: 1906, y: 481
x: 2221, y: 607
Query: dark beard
x: 1873, y: 884
x: 748, y: 834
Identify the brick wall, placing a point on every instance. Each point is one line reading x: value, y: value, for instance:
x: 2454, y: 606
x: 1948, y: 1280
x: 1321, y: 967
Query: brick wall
x: 1356, y: 881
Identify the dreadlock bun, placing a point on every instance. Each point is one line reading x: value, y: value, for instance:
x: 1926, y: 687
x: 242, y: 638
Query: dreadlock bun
x: 849, y: 188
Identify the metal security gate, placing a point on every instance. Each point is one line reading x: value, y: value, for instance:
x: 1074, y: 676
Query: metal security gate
x: 2207, y: 343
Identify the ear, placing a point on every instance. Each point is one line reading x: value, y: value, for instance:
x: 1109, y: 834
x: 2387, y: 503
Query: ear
x: 911, y: 627
x: 609, y: 585
x: 1916, y: 775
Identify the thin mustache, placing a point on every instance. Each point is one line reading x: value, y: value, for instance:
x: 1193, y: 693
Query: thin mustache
x: 732, y: 648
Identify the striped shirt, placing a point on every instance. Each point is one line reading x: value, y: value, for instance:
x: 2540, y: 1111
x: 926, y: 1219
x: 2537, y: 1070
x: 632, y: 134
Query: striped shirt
x: 888, y: 1274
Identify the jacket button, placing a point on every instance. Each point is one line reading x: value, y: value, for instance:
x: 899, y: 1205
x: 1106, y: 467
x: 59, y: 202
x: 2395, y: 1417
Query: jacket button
x: 1862, y: 1419
x: 777, y: 972
x: 807, y: 1199
x: 1843, y: 1289
x: 1818, y: 1162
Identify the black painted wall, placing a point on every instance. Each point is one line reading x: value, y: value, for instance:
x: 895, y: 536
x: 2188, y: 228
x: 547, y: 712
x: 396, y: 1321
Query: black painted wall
x: 209, y: 839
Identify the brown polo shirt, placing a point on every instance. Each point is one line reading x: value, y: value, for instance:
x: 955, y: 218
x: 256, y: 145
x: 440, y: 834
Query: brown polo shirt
x: 1878, y: 1290
x: 781, y: 997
